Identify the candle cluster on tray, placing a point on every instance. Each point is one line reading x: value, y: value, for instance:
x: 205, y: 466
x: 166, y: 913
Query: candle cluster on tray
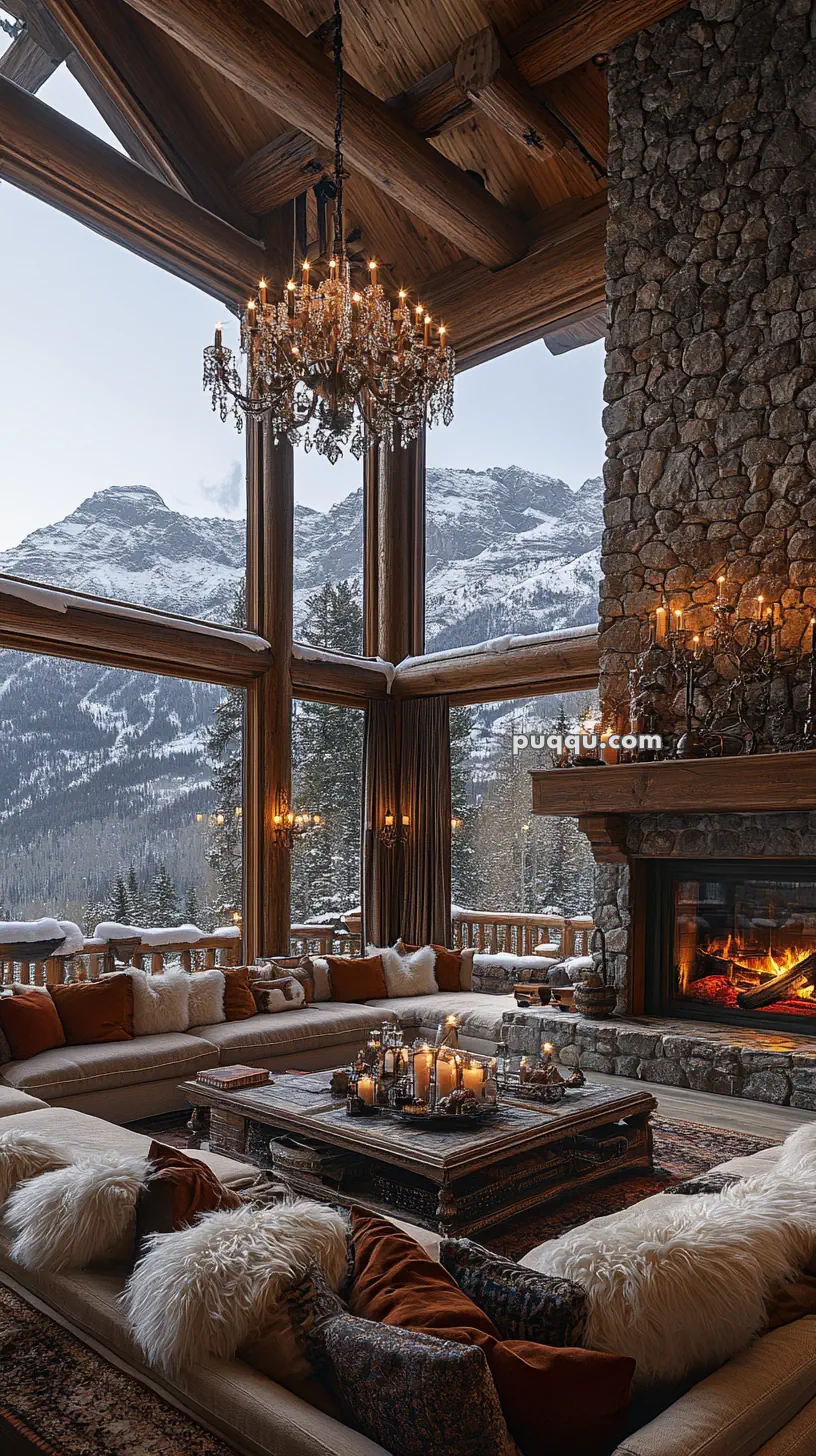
x: 421, y: 1080
x: 535, y: 1078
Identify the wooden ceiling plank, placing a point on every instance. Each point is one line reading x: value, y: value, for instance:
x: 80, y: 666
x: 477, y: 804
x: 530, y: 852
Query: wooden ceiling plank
x: 130, y: 72
x: 279, y: 172
x: 258, y: 50
x: 27, y: 64
x: 486, y: 75
x: 65, y: 165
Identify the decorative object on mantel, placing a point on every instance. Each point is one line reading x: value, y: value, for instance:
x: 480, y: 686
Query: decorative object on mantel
x: 331, y: 360
x: 594, y: 996
x: 722, y: 689
x: 435, y: 1087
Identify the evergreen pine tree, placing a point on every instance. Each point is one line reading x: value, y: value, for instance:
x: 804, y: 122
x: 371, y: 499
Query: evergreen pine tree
x: 120, y: 902
x: 164, y: 908
x: 464, y: 879
x: 191, y: 908
x: 327, y: 747
x: 136, y: 899
x: 224, y: 750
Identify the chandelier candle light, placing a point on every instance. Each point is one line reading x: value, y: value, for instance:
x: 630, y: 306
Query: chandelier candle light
x: 331, y: 363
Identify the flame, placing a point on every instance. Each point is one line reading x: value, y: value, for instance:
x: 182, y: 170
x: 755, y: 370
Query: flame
x: 731, y: 949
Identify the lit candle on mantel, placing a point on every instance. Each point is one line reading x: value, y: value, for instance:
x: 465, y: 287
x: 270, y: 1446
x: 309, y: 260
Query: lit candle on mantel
x: 678, y: 619
x: 720, y: 585
x: 660, y: 625
x: 813, y: 636
x: 365, y: 1090
x: 760, y: 601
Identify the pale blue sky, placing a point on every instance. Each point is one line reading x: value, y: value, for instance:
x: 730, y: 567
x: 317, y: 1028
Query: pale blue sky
x: 100, y: 381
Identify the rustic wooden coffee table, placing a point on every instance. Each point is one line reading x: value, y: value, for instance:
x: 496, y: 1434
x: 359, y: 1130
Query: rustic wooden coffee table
x: 448, y: 1181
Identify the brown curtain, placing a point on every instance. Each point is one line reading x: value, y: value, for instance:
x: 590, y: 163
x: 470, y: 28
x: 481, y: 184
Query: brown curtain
x: 382, y: 867
x: 425, y: 777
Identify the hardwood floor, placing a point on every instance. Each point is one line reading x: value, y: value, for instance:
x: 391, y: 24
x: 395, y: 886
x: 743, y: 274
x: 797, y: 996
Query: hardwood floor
x: 735, y: 1113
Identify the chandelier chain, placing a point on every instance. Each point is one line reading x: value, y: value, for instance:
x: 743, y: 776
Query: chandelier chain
x: 339, y: 238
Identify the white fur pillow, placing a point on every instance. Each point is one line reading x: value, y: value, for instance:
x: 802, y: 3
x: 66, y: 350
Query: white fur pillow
x: 24, y: 1155
x: 321, y: 980
x: 77, y: 1215
x: 160, y: 1003
x: 206, y: 998
x: 407, y: 975
x: 681, y: 1284
x: 207, y: 1289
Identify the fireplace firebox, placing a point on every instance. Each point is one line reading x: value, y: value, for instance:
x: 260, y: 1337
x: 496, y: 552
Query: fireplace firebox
x: 733, y: 941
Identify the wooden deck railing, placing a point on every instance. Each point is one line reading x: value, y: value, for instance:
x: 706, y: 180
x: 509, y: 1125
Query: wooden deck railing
x: 98, y: 957
x: 493, y: 932
x: 323, y: 940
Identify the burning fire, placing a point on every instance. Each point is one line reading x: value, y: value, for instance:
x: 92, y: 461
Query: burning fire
x: 764, y: 964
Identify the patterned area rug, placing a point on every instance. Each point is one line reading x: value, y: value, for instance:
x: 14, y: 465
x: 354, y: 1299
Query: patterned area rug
x: 58, y: 1398
x: 681, y: 1150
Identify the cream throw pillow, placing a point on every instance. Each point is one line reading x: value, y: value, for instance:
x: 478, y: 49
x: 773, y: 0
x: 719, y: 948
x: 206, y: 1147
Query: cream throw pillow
x: 160, y: 1003
x: 321, y: 979
x: 75, y: 1216
x: 407, y: 975
x: 206, y: 998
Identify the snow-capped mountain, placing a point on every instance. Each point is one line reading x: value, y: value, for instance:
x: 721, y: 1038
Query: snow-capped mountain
x: 99, y: 763
x: 507, y: 551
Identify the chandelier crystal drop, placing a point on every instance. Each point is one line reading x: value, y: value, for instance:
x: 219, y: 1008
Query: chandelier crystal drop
x: 331, y: 364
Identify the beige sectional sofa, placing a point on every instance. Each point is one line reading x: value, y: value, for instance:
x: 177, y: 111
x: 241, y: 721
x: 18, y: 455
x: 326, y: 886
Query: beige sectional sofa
x: 126, y: 1080
x: 761, y: 1403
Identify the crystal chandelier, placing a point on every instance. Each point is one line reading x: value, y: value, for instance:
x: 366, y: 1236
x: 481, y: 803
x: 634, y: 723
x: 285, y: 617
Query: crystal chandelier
x: 329, y: 363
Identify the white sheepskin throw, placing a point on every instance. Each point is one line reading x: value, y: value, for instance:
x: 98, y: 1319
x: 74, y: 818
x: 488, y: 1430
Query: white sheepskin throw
x: 681, y: 1283
x: 207, y: 1289
x: 160, y: 1003
x: 24, y: 1155
x: 797, y: 1158
x: 321, y: 979
x: 77, y: 1215
x: 206, y: 998
x: 407, y: 975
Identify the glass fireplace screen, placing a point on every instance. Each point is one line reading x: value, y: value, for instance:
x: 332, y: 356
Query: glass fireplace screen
x: 744, y: 943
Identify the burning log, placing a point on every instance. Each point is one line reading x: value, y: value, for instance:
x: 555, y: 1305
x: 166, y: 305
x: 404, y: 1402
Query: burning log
x: 802, y: 974
x: 711, y: 964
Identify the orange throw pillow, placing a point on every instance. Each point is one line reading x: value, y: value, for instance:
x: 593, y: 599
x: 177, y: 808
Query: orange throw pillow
x: 448, y: 968
x: 556, y: 1402
x: 30, y: 1024
x: 95, y: 1011
x: 177, y: 1191
x: 239, y: 1002
x: 360, y: 978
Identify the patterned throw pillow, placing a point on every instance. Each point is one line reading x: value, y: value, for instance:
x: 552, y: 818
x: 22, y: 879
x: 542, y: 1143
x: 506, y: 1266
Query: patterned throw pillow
x: 285, y: 993
x: 523, y: 1304
x: 410, y: 1392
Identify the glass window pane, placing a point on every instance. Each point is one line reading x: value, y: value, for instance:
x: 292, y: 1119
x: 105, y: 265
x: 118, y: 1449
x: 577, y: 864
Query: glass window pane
x: 504, y: 857
x: 514, y: 499
x: 120, y: 794
x: 327, y: 744
x: 328, y: 603
x: 132, y: 488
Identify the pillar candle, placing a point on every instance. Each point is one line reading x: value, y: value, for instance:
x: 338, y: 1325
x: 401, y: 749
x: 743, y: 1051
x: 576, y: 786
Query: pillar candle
x: 423, y: 1061
x: 365, y: 1090
x: 446, y: 1076
x: 473, y: 1078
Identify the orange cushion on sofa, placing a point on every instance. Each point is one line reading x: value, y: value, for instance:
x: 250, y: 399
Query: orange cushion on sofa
x: 95, y: 1011
x: 178, y: 1190
x: 359, y: 978
x: 239, y: 1002
x: 30, y: 1024
x: 556, y: 1402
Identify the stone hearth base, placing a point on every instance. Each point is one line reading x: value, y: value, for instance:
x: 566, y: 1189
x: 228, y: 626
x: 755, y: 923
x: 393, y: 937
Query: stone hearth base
x: 761, y: 1065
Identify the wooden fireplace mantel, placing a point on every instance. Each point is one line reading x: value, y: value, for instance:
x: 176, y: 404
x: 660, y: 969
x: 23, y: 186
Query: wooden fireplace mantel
x: 602, y: 798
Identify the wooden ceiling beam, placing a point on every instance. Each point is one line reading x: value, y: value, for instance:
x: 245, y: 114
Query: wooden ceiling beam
x: 259, y: 51
x: 488, y: 313
x: 130, y: 72
x: 279, y: 172
x: 562, y: 662
x: 27, y: 64
x: 65, y: 165
x: 487, y: 76
x: 70, y: 624
x: 336, y: 681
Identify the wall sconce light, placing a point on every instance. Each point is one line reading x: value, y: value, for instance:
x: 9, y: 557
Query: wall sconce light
x: 390, y: 833
x: 456, y: 823
x: 287, y: 826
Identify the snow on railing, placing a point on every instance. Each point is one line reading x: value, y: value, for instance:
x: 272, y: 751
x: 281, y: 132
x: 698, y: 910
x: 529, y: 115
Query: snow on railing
x: 152, y: 951
x: 497, y: 932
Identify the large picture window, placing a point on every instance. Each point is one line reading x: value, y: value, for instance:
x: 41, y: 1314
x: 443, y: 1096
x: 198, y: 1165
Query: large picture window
x: 327, y: 745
